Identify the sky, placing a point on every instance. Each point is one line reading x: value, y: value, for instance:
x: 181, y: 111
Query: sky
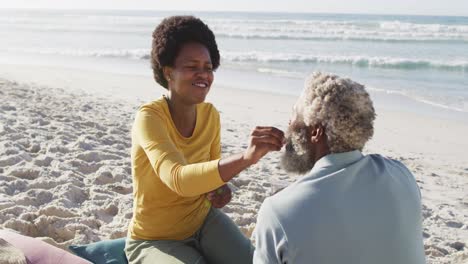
x: 412, y: 7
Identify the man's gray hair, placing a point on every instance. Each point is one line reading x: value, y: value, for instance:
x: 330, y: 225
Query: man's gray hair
x: 341, y: 106
x: 10, y: 255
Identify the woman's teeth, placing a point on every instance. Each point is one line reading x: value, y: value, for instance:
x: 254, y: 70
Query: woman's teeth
x: 201, y: 85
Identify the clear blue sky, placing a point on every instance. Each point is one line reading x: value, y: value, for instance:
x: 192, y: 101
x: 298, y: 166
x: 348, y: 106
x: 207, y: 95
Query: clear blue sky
x: 418, y: 7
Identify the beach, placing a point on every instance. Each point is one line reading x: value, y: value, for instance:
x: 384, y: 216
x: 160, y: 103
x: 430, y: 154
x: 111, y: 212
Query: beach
x: 71, y: 82
x: 65, y: 157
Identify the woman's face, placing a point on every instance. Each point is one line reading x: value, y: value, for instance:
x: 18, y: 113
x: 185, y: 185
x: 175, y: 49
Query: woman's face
x: 191, y: 76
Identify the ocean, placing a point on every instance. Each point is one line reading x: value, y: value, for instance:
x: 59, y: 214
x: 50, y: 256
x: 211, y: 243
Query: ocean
x: 420, y: 58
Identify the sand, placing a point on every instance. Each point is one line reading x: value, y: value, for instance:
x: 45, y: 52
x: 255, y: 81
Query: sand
x: 65, y: 157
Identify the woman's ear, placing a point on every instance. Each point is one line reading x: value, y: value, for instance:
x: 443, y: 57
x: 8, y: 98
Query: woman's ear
x: 167, y: 71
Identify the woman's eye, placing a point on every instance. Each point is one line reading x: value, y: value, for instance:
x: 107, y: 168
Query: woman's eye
x: 193, y: 68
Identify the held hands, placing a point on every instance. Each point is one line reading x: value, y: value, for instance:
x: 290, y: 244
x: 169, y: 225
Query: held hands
x: 220, y: 197
x: 262, y: 141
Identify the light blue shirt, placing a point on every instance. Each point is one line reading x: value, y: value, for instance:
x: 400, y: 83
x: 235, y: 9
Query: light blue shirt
x: 349, y: 209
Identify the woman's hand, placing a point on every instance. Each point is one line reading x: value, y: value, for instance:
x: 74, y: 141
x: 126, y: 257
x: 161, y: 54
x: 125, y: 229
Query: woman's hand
x: 262, y: 141
x: 220, y: 197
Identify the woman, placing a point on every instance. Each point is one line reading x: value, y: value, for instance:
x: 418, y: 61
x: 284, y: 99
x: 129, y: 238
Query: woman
x: 176, y: 157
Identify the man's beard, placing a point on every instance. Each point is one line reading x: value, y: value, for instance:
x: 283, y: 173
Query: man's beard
x: 297, y: 157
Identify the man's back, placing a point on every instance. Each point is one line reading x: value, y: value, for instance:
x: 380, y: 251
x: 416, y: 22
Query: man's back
x: 349, y: 209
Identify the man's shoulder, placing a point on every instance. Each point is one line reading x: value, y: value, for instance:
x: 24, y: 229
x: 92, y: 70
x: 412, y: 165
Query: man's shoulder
x: 311, y: 189
x: 388, y: 162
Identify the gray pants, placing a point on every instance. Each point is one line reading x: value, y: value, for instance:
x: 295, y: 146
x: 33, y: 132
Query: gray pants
x: 217, y: 241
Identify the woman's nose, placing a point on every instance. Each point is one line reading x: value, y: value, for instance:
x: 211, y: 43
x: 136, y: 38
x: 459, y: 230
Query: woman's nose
x: 205, y: 73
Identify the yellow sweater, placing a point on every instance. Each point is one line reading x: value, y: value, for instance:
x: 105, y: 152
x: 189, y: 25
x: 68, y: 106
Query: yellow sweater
x: 172, y: 173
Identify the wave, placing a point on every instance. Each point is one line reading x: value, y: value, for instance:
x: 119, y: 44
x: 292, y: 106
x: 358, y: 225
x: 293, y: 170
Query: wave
x: 341, y: 30
x: 326, y: 28
x: 358, y: 61
x: 280, y: 72
x: 268, y: 57
x: 461, y: 107
x: 237, y: 32
x: 412, y: 27
x: 348, y: 37
x: 384, y: 26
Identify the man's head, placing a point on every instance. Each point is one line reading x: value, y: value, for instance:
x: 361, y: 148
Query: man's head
x: 332, y: 115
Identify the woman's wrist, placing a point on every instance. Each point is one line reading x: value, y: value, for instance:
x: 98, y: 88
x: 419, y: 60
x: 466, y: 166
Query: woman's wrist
x: 247, y: 158
x: 231, y: 166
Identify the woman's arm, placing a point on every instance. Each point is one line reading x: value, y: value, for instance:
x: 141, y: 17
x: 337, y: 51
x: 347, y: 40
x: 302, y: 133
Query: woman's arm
x: 195, y: 179
x: 151, y: 133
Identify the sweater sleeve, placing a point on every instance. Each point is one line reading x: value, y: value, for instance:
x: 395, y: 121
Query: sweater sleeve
x: 168, y: 162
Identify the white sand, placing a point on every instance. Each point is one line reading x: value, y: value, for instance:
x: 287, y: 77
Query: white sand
x: 65, y: 165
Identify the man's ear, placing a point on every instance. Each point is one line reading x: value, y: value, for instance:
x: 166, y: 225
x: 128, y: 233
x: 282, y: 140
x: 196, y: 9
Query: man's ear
x: 317, y: 132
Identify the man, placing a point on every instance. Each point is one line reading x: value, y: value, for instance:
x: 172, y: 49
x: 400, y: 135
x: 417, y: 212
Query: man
x: 348, y: 207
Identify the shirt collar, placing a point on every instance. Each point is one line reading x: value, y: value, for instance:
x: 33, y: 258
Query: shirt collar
x: 333, y: 162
